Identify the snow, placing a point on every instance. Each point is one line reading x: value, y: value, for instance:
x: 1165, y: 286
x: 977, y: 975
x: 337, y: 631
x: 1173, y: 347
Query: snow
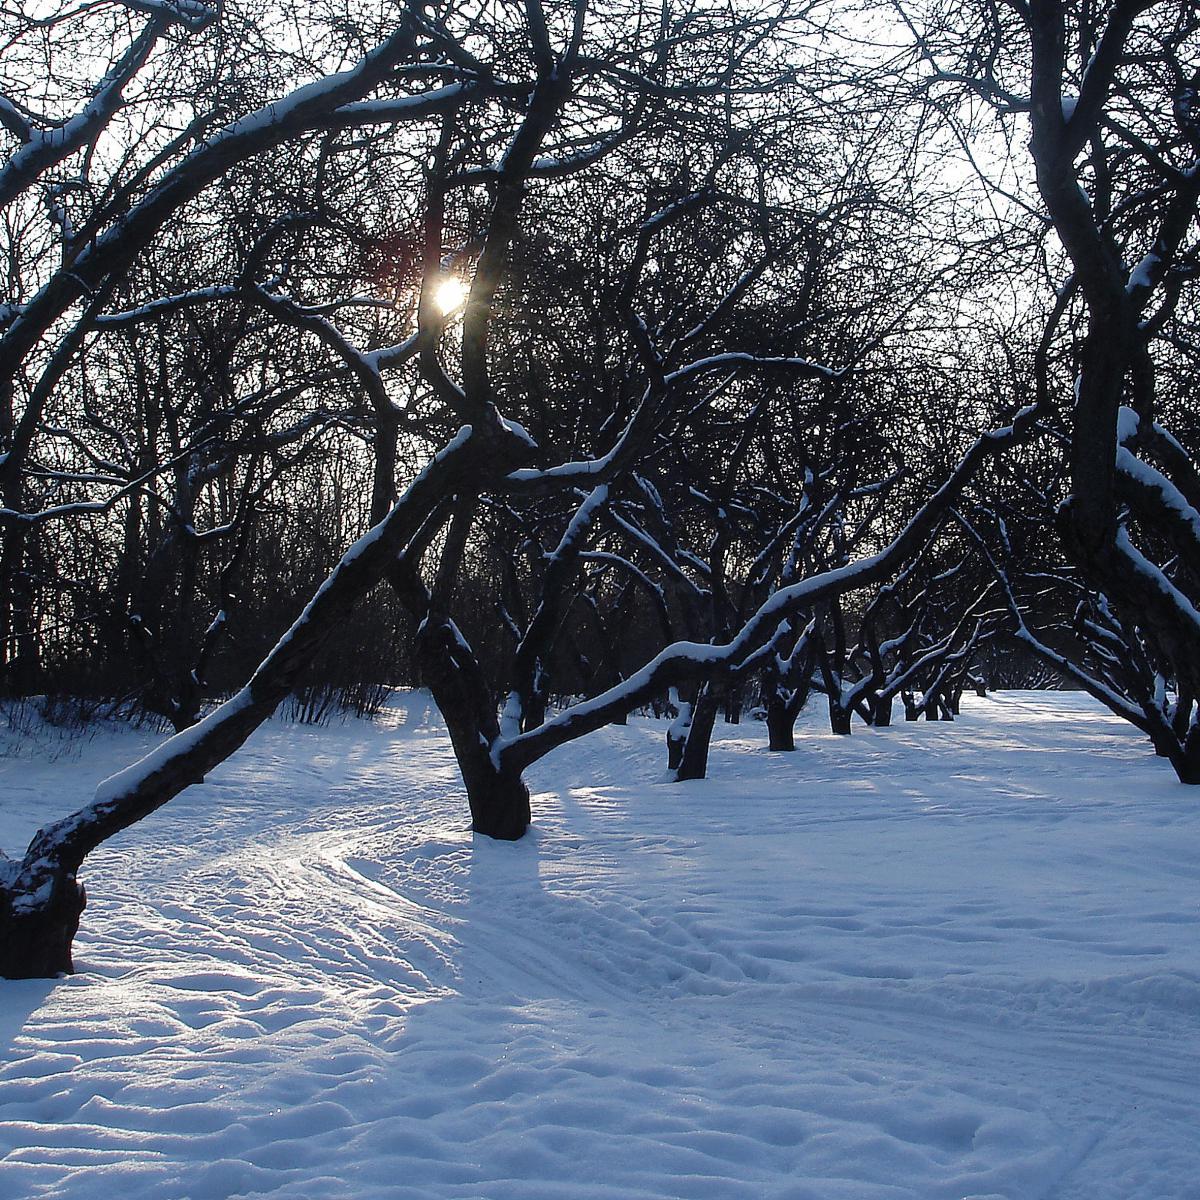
x: 1141, y: 275
x: 1172, y: 499
x: 738, y: 358
x: 931, y: 962
x: 390, y: 108
x: 1128, y: 423
x: 510, y: 717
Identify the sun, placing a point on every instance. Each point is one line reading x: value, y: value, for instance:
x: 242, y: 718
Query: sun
x: 450, y: 294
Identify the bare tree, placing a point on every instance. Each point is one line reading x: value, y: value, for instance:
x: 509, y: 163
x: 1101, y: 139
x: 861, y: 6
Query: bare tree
x: 1108, y: 93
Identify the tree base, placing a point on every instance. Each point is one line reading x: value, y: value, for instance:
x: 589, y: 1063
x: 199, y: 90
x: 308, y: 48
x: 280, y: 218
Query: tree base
x: 499, y: 806
x: 1186, y: 761
x: 38, y: 927
x: 840, y: 721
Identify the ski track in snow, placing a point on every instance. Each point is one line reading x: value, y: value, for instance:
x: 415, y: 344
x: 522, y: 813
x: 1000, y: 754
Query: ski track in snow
x: 932, y: 962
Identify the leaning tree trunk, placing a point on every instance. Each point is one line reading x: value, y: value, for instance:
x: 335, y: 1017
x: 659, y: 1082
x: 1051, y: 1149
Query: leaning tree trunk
x: 40, y: 897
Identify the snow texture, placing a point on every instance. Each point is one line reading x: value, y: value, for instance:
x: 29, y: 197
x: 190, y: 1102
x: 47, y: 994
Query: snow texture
x: 930, y: 962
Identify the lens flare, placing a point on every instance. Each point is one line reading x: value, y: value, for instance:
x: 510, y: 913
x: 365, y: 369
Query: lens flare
x: 450, y: 294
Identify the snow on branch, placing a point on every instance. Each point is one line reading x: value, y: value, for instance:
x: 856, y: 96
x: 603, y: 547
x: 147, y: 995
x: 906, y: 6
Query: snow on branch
x: 686, y: 659
x: 191, y: 13
x: 801, y: 366
x: 166, y: 304
x: 1169, y: 501
x: 43, y: 148
x: 1152, y: 574
x: 389, y: 109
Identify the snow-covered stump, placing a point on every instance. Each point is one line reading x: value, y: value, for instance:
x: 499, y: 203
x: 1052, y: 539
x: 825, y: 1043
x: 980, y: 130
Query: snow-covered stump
x: 40, y: 906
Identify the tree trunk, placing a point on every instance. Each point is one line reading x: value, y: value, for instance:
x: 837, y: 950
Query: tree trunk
x: 676, y: 741
x: 693, y: 763
x: 1186, y: 761
x: 677, y: 731
x: 839, y: 719
x: 40, y: 898
x: 498, y: 798
x: 1183, y: 753
x: 38, y: 921
x: 881, y: 711
x: 781, y: 724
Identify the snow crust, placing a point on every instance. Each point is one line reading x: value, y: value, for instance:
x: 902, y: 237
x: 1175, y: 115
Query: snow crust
x: 931, y: 962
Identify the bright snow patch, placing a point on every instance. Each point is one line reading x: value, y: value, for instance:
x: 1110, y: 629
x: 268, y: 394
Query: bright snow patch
x: 933, y: 962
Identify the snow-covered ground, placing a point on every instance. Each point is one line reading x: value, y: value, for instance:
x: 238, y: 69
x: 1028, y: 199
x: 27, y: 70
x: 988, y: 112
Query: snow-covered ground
x: 938, y: 961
